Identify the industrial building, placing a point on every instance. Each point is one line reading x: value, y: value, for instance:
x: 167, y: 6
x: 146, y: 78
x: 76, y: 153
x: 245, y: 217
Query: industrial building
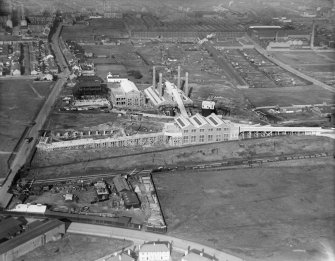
x: 154, y: 251
x: 120, y: 183
x: 101, y: 190
x: 38, y: 234
x: 130, y: 199
x: 200, y: 129
x: 124, y: 93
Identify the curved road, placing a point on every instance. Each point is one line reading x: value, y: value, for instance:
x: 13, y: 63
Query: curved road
x: 138, y: 237
x: 26, y: 148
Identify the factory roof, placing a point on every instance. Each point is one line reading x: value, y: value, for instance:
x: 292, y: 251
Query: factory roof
x: 182, y: 122
x: 130, y: 198
x: 214, y: 120
x: 154, y: 247
x: 29, y: 234
x: 122, y: 87
x: 198, y: 121
x: 120, y: 183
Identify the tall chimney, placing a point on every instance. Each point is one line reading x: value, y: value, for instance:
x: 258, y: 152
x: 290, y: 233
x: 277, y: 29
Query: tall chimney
x: 154, y: 77
x: 312, y: 36
x: 186, y: 84
x: 178, y: 83
x: 160, y: 85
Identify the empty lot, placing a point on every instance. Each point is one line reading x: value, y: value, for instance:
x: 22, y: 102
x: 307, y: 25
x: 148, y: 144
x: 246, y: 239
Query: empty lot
x: 262, y: 213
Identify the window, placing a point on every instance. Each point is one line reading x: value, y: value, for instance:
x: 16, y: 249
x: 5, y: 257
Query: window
x: 202, y: 130
x: 226, y: 135
x: 193, y: 130
x: 210, y: 130
x: 226, y: 129
x: 185, y: 131
x: 218, y: 137
x: 210, y: 137
x: 202, y: 138
x: 193, y: 138
x: 218, y: 129
x: 185, y: 139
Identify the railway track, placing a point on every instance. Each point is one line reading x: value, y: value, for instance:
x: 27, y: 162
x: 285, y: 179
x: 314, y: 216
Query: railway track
x: 216, y: 166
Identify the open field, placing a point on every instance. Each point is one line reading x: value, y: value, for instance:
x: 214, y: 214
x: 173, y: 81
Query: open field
x: 76, y: 248
x: 287, y: 96
x: 20, y: 101
x: 262, y: 213
x: 72, y: 163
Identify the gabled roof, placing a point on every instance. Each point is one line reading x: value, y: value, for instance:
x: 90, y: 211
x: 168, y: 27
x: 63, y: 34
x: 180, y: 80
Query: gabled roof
x: 182, y: 122
x: 156, y: 247
x: 198, y: 120
x: 214, y: 120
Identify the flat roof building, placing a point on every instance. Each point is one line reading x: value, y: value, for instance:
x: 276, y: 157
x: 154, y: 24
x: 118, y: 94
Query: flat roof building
x: 124, y: 92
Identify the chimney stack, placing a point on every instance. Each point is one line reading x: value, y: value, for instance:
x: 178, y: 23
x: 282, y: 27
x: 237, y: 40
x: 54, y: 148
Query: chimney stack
x: 186, y: 84
x: 178, y: 83
x: 160, y: 85
x: 312, y: 36
x: 154, y: 77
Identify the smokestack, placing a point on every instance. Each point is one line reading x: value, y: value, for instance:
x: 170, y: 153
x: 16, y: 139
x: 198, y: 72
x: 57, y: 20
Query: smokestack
x: 186, y: 84
x: 154, y: 77
x: 160, y: 85
x: 312, y: 36
x: 178, y: 83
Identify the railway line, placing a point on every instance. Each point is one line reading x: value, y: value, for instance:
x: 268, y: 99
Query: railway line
x: 215, y: 166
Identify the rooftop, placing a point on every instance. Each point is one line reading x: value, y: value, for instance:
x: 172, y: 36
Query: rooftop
x: 154, y: 247
x: 29, y: 234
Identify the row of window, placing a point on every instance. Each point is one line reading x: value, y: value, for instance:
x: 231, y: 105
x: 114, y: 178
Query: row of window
x: 209, y: 130
x: 210, y: 137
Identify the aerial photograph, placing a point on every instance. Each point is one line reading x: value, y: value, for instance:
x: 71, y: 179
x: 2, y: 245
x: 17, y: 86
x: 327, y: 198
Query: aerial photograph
x: 167, y: 130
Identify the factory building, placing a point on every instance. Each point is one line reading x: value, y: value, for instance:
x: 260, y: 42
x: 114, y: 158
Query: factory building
x: 124, y: 92
x: 200, y: 129
x: 38, y: 234
x: 88, y: 86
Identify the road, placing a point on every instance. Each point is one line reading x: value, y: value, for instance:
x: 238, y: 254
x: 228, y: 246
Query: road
x: 138, y: 237
x: 26, y: 148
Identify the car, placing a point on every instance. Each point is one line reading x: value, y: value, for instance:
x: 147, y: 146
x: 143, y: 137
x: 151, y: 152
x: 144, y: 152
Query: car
x: 29, y: 139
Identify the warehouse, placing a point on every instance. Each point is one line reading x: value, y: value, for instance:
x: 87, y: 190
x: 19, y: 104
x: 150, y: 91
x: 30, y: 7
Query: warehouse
x: 37, y: 235
x: 130, y: 200
x: 124, y: 92
x: 89, y: 85
x: 120, y: 184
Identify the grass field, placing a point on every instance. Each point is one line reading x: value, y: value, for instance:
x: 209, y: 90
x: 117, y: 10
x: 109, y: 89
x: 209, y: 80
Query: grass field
x: 260, y: 213
x: 76, y: 248
x: 20, y: 101
x: 305, y: 58
x: 287, y: 96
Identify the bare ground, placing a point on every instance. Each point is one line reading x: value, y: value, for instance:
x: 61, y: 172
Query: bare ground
x: 277, y: 212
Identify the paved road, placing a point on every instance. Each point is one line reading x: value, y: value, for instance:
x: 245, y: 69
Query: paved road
x: 26, y: 148
x: 138, y: 237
